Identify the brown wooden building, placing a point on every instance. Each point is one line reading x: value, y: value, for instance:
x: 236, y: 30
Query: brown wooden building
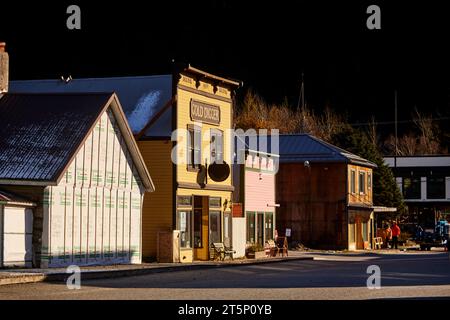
x: 325, y: 194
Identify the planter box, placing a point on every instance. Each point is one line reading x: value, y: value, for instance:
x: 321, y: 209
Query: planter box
x: 260, y: 255
x: 257, y: 255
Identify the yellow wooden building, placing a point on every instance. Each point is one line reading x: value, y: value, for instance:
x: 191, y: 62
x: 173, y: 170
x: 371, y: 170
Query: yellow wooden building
x: 193, y: 196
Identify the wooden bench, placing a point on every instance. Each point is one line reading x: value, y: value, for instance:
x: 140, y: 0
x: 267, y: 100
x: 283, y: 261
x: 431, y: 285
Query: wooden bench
x: 220, y: 252
x: 377, y: 242
x: 271, y: 248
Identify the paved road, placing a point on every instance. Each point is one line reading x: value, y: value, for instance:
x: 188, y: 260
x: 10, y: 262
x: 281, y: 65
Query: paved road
x: 404, y: 275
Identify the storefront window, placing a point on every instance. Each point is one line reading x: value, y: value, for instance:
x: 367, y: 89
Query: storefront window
x: 215, y: 202
x: 184, y: 219
x: 411, y: 188
x: 260, y: 228
x: 251, y: 227
x: 269, y: 226
x: 351, y: 232
x: 214, y: 227
x: 184, y: 201
x: 227, y: 227
x: 435, y: 188
x: 198, y: 228
x: 364, y: 231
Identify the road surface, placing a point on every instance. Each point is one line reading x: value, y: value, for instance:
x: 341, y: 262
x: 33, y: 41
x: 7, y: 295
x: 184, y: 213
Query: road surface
x: 403, y: 275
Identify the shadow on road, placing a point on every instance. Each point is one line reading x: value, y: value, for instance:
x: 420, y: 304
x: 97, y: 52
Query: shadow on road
x: 396, y: 270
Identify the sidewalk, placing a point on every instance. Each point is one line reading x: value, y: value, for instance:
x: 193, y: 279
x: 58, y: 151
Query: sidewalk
x: 16, y: 276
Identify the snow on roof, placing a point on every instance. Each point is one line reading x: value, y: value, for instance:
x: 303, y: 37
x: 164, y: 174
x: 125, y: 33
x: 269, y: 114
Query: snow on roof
x: 145, y: 108
x: 141, y: 97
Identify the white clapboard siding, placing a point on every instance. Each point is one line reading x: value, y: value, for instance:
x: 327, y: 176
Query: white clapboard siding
x: 93, y: 216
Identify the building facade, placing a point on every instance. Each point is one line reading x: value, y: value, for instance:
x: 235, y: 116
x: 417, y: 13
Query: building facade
x: 196, y: 196
x: 254, y: 181
x: 74, y: 157
x: 325, y: 195
x: 425, y: 184
x: 181, y: 123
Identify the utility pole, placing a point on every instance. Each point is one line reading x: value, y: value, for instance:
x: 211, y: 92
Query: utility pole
x: 301, y: 97
x: 396, y: 133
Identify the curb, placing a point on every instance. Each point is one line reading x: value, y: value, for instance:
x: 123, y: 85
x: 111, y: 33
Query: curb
x: 57, y: 277
x: 17, y: 279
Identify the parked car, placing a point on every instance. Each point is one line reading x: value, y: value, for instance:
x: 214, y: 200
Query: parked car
x: 438, y: 237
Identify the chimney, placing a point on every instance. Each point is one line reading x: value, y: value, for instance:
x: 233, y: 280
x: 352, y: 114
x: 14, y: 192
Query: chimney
x: 4, y: 68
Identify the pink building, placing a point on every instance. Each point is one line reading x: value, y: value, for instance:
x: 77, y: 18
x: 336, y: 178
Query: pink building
x: 255, y: 189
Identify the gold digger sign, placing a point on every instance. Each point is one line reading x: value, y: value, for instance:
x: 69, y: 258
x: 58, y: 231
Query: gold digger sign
x: 206, y: 113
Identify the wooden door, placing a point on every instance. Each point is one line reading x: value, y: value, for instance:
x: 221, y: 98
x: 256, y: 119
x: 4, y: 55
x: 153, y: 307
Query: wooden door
x: 359, y: 237
x: 201, y: 228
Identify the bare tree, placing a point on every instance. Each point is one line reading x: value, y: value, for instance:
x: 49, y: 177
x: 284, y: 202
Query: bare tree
x: 429, y: 134
x: 372, y: 132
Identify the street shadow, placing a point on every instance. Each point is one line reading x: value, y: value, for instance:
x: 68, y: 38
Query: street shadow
x: 396, y: 270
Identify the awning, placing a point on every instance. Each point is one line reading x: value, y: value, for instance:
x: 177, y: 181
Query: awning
x: 377, y: 209
x: 13, y: 199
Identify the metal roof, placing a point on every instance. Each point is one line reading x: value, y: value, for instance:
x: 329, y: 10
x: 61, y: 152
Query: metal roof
x: 141, y: 97
x: 305, y: 147
x: 40, y: 134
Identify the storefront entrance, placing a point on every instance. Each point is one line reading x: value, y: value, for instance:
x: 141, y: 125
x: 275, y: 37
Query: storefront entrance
x: 360, y: 229
x: 201, y: 226
x: 202, y: 223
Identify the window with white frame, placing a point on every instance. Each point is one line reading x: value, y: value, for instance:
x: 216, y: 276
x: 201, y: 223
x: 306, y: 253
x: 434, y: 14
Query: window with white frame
x: 194, y: 147
x: 216, y: 146
x: 352, y: 181
x: 362, y: 182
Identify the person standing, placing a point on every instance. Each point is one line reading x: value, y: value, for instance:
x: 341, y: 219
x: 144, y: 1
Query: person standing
x: 388, y: 235
x: 395, y: 235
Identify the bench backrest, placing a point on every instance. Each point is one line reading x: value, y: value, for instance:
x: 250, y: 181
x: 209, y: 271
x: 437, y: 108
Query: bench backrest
x: 271, y: 243
x: 218, y: 246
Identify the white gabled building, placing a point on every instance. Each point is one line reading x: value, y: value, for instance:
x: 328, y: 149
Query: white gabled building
x: 74, y: 158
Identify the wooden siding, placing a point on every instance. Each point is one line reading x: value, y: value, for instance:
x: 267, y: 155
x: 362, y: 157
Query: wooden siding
x: 358, y: 198
x: 157, y: 207
x: 183, y: 119
x: 313, y: 204
x: 259, y: 193
x: 93, y: 215
x: 259, y: 183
